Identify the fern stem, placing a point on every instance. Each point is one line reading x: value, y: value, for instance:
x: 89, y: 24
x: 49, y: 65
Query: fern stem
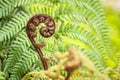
x: 40, y: 54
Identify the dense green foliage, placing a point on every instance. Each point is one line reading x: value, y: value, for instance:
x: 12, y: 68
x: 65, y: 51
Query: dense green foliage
x: 113, y: 18
x: 78, y: 22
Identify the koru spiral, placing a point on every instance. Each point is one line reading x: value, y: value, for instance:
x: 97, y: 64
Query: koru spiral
x: 46, y: 31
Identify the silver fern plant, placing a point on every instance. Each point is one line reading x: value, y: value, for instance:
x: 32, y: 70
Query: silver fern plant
x: 78, y: 22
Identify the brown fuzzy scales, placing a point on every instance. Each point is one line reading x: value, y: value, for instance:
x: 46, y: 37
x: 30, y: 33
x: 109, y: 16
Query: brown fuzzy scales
x: 46, y: 32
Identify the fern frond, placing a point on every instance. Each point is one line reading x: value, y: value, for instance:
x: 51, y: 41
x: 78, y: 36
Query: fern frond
x: 76, y: 17
x: 28, y: 58
x: 93, y: 44
x: 8, y: 6
x: 87, y: 38
x: 18, y: 47
x: 64, y: 8
x: 36, y: 9
x: 95, y: 15
x: 5, y: 7
x: 94, y: 58
x: 14, y: 25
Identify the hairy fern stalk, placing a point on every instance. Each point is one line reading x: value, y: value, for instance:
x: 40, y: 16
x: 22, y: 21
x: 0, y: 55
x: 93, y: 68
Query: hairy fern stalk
x: 78, y: 22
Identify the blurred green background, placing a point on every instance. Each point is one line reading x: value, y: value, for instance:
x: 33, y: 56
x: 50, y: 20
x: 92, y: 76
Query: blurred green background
x: 112, y: 12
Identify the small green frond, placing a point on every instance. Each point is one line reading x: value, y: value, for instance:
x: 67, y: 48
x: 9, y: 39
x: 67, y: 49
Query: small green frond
x: 18, y: 47
x: 14, y: 26
x: 27, y: 58
x: 8, y: 6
